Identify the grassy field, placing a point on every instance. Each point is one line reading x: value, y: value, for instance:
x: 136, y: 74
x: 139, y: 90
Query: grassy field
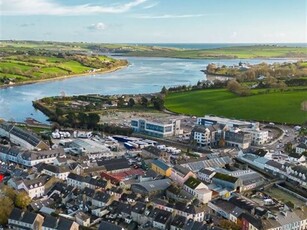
x: 229, y: 52
x: 256, y: 51
x: 283, y: 107
x: 19, y: 69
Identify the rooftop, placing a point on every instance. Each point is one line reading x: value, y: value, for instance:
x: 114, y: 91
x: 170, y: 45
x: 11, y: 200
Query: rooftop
x: 160, y: 164
x: 192, y: 182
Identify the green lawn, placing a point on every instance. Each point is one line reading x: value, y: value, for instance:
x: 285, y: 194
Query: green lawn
x: 274, y: 106
x: 74, y: 66
x: 32, y: 67
x: 12, y: 65
x: 228, y: 52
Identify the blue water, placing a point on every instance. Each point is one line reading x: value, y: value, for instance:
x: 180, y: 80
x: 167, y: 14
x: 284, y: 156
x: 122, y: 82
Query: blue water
x: 143, y: 75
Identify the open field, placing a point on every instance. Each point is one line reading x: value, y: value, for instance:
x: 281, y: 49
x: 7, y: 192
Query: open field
x: 18, y: 69
x: 283, y: 107
x: 229, y: 52
x: 255, y: 51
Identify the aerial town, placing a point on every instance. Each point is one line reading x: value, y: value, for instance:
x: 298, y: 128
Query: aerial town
x: 214, y: 173
x: 153, y: 115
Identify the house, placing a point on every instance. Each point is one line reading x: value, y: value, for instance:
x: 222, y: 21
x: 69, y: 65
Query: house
x: 180, y: 174
x: 137, y: 213
x: 198, y: 189
x: 53, y: 223
x: 301, y: 148
x: 88, y: 193
x: 206, y: 174
x: 151, y: 187
x: 75, y: 180
x: 161, y: 219
x: 161, y: 168
x: 60, y: 172
x: 81, y: 182
x: 19, y: 219
x: 178, y: 223
x: 29, y: 158
x: 101, y: 199
x: 190, y: 211
x: 83, y: 219
x: 116, y: 192
x: 151, y: 152
x: 297, y: 158
x: 34, y: 188
x: 104, y: 225
x: 222, y: 207
x: 22, y: 137
x: 114, y: 165
x: 227, y: 181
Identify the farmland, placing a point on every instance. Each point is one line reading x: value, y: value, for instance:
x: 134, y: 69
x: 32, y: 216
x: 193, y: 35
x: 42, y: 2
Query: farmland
x: 262, y: 105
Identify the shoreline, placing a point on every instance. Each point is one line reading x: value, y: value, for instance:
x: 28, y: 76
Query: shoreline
x: 64, y: 77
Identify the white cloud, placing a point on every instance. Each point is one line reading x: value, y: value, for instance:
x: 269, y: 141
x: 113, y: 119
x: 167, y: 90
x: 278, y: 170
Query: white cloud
x: 166, y: 16
x: 49, y: 7
x: 151, y: 5
x: 97, y: 26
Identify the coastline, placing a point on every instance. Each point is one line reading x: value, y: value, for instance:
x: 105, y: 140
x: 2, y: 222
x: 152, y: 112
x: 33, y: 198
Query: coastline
x: 64, y: 77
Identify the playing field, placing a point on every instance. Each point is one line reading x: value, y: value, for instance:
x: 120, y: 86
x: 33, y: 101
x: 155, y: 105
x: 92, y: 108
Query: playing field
x: 283, y: 107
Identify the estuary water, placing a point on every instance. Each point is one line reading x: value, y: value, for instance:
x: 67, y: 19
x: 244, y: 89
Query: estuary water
x: 143, y: 75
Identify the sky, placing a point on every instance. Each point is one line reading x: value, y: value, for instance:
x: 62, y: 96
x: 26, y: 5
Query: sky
x: 155, y: 21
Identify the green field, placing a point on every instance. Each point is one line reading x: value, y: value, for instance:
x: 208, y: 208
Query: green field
x: 26, y: 68
x: 258, y: 51
x: 283, y: 107
x: 255, y: 51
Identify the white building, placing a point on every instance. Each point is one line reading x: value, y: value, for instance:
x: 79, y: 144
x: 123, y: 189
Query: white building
x: 157, y: 128
x: 259, y: 137
x: 34, y: 188
x: 60, y: 172
x: 302, y: 147
x: 198, y: 189
x: 22, y: 137
x: 29, y: 158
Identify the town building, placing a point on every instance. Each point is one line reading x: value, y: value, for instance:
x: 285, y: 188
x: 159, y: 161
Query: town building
x: 161, y: 168
x: 151, y: 187
x: 180, y: 174
x: 237, y: 138
x: 22, y: 137
x: 156, y: 128
x: 198, y: 189
x: 19, y: 219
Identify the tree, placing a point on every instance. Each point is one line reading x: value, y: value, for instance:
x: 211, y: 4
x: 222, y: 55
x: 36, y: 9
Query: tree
x: 7, y: 206
x: 9, y: 192
x: 144, y: 101
x: 55, y: 126
x: 158, y: 103
x: 92, y: 120
x: 22, y: 200
x: 131, y: 102
x: 229, y: 225
x: 164, y: 90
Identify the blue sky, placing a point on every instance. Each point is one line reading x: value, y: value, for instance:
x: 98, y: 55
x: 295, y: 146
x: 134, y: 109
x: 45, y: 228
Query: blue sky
x: 155, y: 21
